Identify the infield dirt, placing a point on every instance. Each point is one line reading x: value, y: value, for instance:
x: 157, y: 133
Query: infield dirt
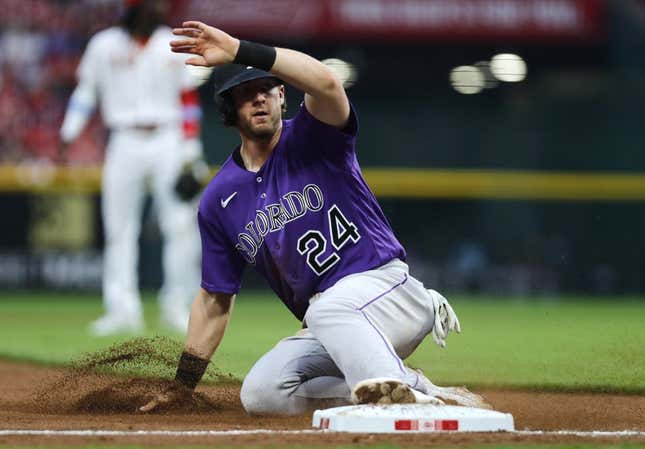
x: 40, y: 398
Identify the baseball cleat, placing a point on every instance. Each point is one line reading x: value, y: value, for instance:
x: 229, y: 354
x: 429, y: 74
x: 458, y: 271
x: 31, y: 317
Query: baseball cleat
x: 389, y: 391
x: 115, y: 324
x: 452, y: 395
x: 461, y: 396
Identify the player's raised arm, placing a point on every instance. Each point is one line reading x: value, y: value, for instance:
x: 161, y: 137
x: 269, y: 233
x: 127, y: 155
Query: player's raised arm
x: 324, y: 94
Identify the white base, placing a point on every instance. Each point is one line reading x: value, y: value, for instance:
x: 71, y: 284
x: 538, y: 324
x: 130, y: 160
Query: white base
x: 404, y: 418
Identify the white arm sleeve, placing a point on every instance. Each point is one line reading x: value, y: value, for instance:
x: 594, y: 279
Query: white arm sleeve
x: 80, y: 108
x: 83, y: 99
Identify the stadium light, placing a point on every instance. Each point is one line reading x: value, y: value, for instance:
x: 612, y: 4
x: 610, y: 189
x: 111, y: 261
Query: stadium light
x: 467, y: 79
x: 490, y: 81
x: 508, y: 67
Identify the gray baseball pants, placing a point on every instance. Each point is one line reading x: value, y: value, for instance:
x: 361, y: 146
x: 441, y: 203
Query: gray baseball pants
x: 360, y: 328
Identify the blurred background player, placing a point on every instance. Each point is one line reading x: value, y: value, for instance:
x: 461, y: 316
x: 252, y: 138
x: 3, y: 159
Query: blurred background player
x: 149, y: 103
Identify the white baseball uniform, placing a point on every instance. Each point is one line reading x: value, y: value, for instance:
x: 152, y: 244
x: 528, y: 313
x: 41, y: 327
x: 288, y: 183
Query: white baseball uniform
x: 383, y: 313
x: 138, y: 87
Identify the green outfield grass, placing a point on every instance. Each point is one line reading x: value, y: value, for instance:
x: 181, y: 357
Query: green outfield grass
x: 572, y: 344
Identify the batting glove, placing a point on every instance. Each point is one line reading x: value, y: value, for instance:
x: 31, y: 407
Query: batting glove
x: 445, y: 319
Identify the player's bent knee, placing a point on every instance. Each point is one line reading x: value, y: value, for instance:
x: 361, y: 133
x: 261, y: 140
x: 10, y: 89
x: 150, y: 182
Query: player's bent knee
x: 267, y: 395
x: 252, y: 399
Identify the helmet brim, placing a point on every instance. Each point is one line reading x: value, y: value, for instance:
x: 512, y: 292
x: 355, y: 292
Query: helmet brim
x: 242, y: 74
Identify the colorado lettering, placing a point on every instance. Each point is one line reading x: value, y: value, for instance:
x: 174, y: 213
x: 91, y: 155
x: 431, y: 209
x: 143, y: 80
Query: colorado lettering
x: 275, y: 216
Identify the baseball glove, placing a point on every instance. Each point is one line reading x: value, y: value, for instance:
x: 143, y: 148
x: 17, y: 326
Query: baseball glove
x: 192, y: 179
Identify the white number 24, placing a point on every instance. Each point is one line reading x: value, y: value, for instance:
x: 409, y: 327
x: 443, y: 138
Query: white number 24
x: 313, y: 243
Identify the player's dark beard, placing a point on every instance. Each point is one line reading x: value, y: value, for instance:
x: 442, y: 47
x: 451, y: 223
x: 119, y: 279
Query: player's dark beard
x: 259, y: 133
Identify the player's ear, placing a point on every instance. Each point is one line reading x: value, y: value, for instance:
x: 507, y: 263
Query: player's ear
x: 283, y: 101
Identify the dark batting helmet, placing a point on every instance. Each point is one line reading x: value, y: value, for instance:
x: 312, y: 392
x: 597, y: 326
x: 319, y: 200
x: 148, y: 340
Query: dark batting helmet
x: 230, y: 76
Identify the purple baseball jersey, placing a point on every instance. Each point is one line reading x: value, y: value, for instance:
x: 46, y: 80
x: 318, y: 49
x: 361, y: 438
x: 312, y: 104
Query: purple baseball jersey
x: 305, y: 220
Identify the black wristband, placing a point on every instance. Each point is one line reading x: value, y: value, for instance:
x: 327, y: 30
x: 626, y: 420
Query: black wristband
x: 257, y: 55
x: 190, y: 370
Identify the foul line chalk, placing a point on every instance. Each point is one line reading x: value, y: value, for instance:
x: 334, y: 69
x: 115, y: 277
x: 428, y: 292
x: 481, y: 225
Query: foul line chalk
x: 168, y: 433
x: 199, y: 433
x: 592, y: 433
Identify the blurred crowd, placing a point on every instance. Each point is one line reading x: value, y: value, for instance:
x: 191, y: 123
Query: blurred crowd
x: 41, y: 42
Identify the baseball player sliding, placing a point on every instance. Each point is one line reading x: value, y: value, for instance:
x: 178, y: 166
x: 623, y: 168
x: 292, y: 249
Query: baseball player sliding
x: 149, y: 103
x: 291, y: 202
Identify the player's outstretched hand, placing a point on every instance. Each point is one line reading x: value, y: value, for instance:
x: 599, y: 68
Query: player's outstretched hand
x: 210, y: 45
x: 174, y: 394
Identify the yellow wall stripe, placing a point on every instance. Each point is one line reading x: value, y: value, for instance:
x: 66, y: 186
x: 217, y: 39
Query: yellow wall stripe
x: 503, y: 184
x: 45, y: 178
x: 387, y: 182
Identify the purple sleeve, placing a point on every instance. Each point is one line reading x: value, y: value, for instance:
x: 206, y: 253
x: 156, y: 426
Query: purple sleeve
x: 312, y: 136
x: 222, y: 265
